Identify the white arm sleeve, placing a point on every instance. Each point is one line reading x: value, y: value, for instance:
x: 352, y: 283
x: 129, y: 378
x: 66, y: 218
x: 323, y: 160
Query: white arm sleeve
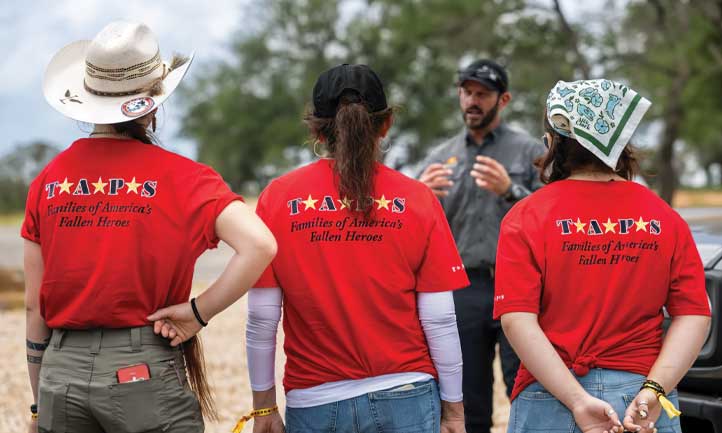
x: 264, y: 313
x: 438, y: 320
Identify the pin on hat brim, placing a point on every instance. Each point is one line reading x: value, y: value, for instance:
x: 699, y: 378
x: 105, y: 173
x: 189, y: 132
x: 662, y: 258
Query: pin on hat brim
x: 63, y: 87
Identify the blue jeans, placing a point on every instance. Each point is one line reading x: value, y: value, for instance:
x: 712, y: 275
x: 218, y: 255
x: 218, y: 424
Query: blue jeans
x: 416, y: 410
x: 536, y: 410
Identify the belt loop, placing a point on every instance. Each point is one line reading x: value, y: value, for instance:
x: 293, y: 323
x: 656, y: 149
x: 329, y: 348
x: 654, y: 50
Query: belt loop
x: 59, y: 338
x: 96, y: 336
x: 135, y: 339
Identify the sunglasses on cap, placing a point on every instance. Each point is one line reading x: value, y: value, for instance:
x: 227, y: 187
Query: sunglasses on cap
x: 486, y: 73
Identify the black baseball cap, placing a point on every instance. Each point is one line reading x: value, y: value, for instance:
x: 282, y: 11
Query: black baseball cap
x: 333, y: 82
x: 488, y: 73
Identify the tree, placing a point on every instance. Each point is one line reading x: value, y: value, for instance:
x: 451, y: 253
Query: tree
x: 246, y: 113
x: 18, y: 169
x: 671, y: 50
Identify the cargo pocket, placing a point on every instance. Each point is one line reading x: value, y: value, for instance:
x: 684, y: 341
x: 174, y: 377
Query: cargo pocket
x: 180, y: 403
x: 51, y: 406
x: 136, y: 406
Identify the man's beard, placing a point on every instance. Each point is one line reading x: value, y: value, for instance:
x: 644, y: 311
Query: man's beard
x: 485, y: 121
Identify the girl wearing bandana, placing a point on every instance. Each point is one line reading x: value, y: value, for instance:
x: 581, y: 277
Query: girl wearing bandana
x: 585, y: 267
x: 113, y: 227
x: 364, y: 273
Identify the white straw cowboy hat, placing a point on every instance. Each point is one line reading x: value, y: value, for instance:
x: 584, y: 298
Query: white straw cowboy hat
x: 116, y: 77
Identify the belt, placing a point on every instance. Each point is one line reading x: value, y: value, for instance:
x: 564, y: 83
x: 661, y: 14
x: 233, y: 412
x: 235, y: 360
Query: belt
x: 96, y: 338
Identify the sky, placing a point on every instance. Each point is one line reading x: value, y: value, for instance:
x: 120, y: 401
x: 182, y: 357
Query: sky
x: 31, y: 35
x: 32, y: 32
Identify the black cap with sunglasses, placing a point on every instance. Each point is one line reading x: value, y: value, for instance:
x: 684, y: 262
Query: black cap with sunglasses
x: 486, y: 72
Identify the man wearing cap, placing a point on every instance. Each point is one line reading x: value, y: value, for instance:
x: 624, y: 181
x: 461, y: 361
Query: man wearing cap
x: 478, y: 175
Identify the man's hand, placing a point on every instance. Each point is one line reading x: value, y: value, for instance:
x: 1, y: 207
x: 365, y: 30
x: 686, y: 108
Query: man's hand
x: 490, y: 175
x: 268, y: 424
x: 436, y: 177
x: 452, y: 417
x: 176, y: 323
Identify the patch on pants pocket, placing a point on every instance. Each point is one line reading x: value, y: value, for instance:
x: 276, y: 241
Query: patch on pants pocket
x: 51, y: 406
x: 136, y: 406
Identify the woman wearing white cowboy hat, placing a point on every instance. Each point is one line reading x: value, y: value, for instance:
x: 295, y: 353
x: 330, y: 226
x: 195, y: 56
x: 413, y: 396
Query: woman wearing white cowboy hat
x: 113, y: 227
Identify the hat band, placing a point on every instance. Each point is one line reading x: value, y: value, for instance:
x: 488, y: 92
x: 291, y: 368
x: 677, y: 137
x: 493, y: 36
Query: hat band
x: 123, y: 74
x: 99, y: 93
x: 143, y: 89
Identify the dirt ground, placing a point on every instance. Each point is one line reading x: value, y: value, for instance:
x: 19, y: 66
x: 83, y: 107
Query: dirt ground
x: 223, y: 341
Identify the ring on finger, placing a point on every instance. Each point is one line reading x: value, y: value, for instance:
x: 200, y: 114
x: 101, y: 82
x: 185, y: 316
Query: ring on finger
x: 610, y: 412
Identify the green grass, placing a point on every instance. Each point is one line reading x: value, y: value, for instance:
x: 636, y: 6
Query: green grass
x: 11, y: 219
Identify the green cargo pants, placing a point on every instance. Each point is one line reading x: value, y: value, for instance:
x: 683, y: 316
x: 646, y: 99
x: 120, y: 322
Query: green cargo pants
x: 79, y: 390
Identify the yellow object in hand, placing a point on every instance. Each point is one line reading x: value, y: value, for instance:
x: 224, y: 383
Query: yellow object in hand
x: 668, y: 406
x: 258, y: 412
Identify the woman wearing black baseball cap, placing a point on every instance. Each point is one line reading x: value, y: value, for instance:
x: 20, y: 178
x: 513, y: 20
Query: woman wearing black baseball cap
x: 365, y: 269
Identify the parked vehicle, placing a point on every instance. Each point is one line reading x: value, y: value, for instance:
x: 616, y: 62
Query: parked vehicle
x: 700, y: 392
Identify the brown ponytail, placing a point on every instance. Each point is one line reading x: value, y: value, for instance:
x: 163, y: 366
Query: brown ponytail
x: 196, y: 367
x: 351, y: 138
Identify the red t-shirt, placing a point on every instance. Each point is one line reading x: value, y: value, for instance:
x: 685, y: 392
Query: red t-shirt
x: 597, y: 261
x: 350, y: 283
x: 120, y: 224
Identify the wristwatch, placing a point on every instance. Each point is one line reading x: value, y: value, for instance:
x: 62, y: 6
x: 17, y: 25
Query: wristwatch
x: 515, y: 192
x: 34, y: 410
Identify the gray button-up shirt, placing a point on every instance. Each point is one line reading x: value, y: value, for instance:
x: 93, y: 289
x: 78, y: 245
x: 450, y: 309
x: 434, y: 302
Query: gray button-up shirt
x: 475, y: 214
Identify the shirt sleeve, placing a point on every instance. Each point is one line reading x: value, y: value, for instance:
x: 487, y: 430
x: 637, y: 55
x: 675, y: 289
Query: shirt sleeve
x: 687, y: 294
x: 518, y: 278
x: 30, y: 229
x: 264, y: 313
x: 441, y: 268
x: 268, y: 278
x: 209, y: 197
x: 438, y: 320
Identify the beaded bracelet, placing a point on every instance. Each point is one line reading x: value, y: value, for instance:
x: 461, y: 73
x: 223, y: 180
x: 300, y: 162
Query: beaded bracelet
x: 658, y: 390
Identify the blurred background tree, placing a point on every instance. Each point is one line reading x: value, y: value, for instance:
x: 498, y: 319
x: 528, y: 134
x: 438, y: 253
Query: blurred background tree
x: 18, y: 169
x: 245, y: 113
x: 671, y: 51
